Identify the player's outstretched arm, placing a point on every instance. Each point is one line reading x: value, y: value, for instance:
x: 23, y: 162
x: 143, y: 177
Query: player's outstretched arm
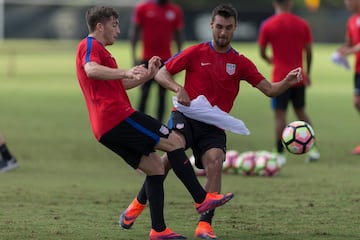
x: 274, y: 89
x: 99, y: 72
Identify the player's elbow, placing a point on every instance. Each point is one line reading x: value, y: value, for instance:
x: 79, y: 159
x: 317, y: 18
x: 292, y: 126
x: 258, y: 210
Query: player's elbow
x: 267, y: 88
x: 91, y: 71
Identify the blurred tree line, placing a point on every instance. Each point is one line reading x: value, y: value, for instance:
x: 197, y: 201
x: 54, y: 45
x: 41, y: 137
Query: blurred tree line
x: 252, y: 5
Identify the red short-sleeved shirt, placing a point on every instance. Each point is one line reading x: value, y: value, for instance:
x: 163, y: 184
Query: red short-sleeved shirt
x: 212, y: 74
x: 353, y: 33
x: 158, y: 22
x: 288, y: 35
x: 106, y: 100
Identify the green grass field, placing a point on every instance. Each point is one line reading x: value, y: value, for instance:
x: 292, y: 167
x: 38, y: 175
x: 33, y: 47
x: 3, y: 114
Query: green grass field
x: 70, y: 187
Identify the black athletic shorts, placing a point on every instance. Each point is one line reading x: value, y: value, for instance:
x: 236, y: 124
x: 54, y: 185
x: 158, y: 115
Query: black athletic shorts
x: 295, y: 95
x: 199, y: 136
x: 134, y: 137
x: 357, y: 84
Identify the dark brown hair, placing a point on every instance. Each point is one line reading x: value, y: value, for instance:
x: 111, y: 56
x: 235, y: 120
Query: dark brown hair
x: 99, y: 14
x: 225, y: 10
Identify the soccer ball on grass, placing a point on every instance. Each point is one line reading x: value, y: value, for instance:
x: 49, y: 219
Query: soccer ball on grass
x: 266, y: 164
x: 230, y: 161
x: 245, y: 163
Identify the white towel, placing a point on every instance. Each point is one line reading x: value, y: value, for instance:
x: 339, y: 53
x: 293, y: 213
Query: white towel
x: 338, y: 59
x: 200, y: 109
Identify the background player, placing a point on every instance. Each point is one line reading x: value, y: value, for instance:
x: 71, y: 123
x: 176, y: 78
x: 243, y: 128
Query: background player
x: 352, y: 46
x: 290, y: 37
x: 158, y: 23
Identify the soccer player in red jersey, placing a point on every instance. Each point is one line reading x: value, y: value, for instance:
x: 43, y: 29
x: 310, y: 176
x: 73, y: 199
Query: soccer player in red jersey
x: 158, y: 23
x: 290, y: 37
x: 352, y: 46
x: 132, y: 135
x: 213, y: 69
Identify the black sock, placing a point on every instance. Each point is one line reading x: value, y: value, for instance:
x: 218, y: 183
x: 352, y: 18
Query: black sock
x: 207, y: 216
x: 5, y: 153
x: 155, y: 191
x: 185, y: 172
x: 279, y: 146
x: 141, y: 197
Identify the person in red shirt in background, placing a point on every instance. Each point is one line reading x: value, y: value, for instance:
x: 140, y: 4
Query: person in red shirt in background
x: 132, y: 135
x: 352, y: 46
x: 290, y: 37
x: 213, y: 69
x: 158, y: 23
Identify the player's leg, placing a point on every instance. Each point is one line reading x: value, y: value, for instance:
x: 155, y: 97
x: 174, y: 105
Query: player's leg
x: 138, y: 204
x: 356, y: 102
x: 212, y: 161
x: 279, y: 105
x: 161, y: 102
x: 154, y: 188
x: 144, y: 95
x: 136, y: 146
x: 209, y: 151
x: 184, y: 171
x: 173, y: 144
x: 298, y: 100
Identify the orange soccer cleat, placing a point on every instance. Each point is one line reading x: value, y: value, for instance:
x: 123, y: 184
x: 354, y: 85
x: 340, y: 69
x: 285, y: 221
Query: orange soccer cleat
x: 204, y: 231
x: 128, y: 217
x: 166, y: 234
x: 213, y: 200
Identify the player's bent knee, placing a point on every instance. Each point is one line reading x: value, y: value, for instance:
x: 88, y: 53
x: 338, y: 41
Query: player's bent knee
x: 176, y: 141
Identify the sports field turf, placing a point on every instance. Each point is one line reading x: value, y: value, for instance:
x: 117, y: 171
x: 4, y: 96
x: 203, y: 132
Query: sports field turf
x: 70, y: 187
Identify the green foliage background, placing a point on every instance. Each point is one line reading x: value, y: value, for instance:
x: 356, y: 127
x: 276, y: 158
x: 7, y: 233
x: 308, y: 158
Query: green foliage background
x: 70, y: 187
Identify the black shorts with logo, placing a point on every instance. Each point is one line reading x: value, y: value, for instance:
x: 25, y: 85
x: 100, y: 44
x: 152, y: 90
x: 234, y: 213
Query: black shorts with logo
x: 199, y: 136
x: 296, y: 95
x: 134, y: 137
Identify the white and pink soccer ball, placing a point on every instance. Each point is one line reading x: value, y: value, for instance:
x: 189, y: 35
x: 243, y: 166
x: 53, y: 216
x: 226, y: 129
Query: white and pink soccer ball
x: 298, y: 137
x: 266, y: 164
x: 229, y: 165
x: 245, y: 163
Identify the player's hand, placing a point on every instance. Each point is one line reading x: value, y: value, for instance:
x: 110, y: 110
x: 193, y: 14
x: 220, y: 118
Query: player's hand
x: 154, y: 65
x: 294, y: 76
x: 345, y: 50
x: 137, y: 73
x: 183, y: 97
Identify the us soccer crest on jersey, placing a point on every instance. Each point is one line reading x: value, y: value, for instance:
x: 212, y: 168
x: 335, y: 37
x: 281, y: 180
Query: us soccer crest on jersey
x: 230, y: 68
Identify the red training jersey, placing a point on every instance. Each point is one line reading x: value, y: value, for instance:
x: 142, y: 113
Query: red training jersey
x: 158, y: 22
x: 288, y: 35
x: 353, y: 33
x: 212, y: 74
x: 106, y: 100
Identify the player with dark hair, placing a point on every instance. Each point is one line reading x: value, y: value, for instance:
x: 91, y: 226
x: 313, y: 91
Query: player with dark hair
x: 157, y: 23
x: 132, y: 135
x: 213, y: 69
x: 290, y: 38
x: 352, y: 46
x: 8, y: 161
